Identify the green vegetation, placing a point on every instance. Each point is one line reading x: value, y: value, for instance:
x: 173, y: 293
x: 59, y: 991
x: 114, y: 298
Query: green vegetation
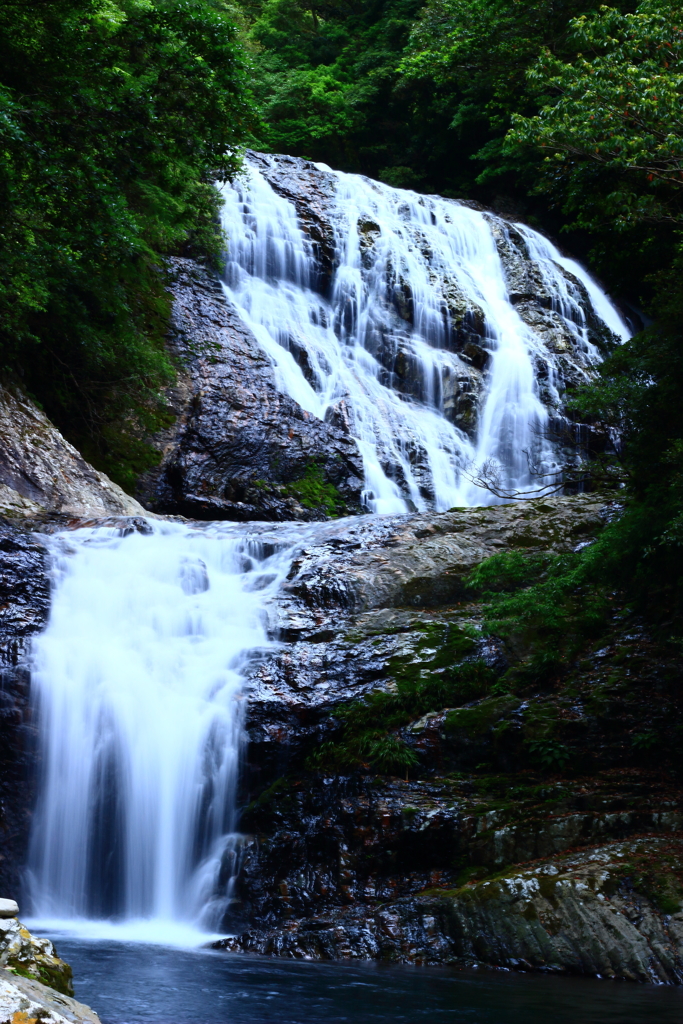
x: 115, y: 116
x: 545, y: 607
x: 440, y: 672
x: 314, y: 492
x: 657, y: 874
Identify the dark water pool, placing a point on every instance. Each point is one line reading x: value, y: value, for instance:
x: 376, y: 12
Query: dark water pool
x: 129, y: 983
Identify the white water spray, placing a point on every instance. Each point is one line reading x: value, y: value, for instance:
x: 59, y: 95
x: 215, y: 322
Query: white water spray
x: 403, y: 264
x: 138, y: 679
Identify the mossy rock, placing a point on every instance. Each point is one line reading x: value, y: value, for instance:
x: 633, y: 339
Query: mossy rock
x: 477, y: 721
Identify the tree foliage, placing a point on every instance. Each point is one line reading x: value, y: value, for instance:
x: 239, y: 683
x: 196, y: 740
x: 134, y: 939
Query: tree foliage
x: 114, y: 117
x: 325, y: 76
x: 617, y: 107
x: 481, y: 51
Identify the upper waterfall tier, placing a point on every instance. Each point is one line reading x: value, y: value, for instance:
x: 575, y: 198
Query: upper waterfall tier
x: 437, y: 335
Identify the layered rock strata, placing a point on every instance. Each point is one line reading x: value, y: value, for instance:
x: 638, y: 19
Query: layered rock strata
x: 482, y: 854
x: 359, y: 599
x: 577, y: 914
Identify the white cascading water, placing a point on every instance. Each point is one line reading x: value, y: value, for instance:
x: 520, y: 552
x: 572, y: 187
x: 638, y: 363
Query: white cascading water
x: 139, y: 673
x: 137, y: 679
x: 386, y: 240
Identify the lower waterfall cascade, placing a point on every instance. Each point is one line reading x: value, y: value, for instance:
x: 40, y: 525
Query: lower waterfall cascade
x: 138, y: 678
x: 374, y: 343
x: 137, y: 681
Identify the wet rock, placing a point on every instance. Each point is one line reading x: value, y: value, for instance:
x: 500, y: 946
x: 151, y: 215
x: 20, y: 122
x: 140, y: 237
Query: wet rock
x: 41, y: 473
x: 311, y: 191
x: 237, y: 445
x: 26, y: 1000
x: 32, y: 957
x: 560, y: 357
x: 355, y: 604
x: 339, y: 864
x: 575, y: 914
x: 464, y: 354
x: 420, y: 561
x: 319, y: 842
x: 24, y: 606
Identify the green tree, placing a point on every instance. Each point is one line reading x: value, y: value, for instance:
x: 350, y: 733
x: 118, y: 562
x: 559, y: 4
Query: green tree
x: 617, y: 110
x: 114, y: 119
x: 478, y: 52
x: 610, y: 149
x: 326, y: 79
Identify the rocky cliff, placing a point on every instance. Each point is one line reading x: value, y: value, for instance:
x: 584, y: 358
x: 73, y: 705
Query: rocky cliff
x: 42, y: 474
x: 240, y: 447
x: 525, y: 826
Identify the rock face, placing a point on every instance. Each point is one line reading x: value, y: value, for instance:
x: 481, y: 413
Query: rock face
x: 40, y: 472
x: 357, y: 604
x: 24, y: 606
x: 359, y: 864
x: 577, y: 914
x: 560, y: 360
x: 312, y: 191
x: 238, y: 449
x: 23, y: 1000
x: 321, y: 843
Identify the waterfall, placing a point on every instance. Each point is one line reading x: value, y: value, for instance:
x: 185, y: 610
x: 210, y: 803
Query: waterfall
x: 379, y: 348
x: 137, y: 680
x: 412, y: 338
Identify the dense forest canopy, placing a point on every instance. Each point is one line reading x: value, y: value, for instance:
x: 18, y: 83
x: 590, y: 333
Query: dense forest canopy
x: 117, y: 115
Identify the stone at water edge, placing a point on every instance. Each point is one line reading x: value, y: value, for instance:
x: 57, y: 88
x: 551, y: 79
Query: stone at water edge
x: 32, y: 957
x: 27, y: 1001
x: 8, y: 908
x: 35, y: 984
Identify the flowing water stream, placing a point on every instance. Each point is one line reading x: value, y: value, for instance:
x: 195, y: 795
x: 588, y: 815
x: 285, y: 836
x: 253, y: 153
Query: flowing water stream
x: 138, y: 679
x: 408, y: 269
